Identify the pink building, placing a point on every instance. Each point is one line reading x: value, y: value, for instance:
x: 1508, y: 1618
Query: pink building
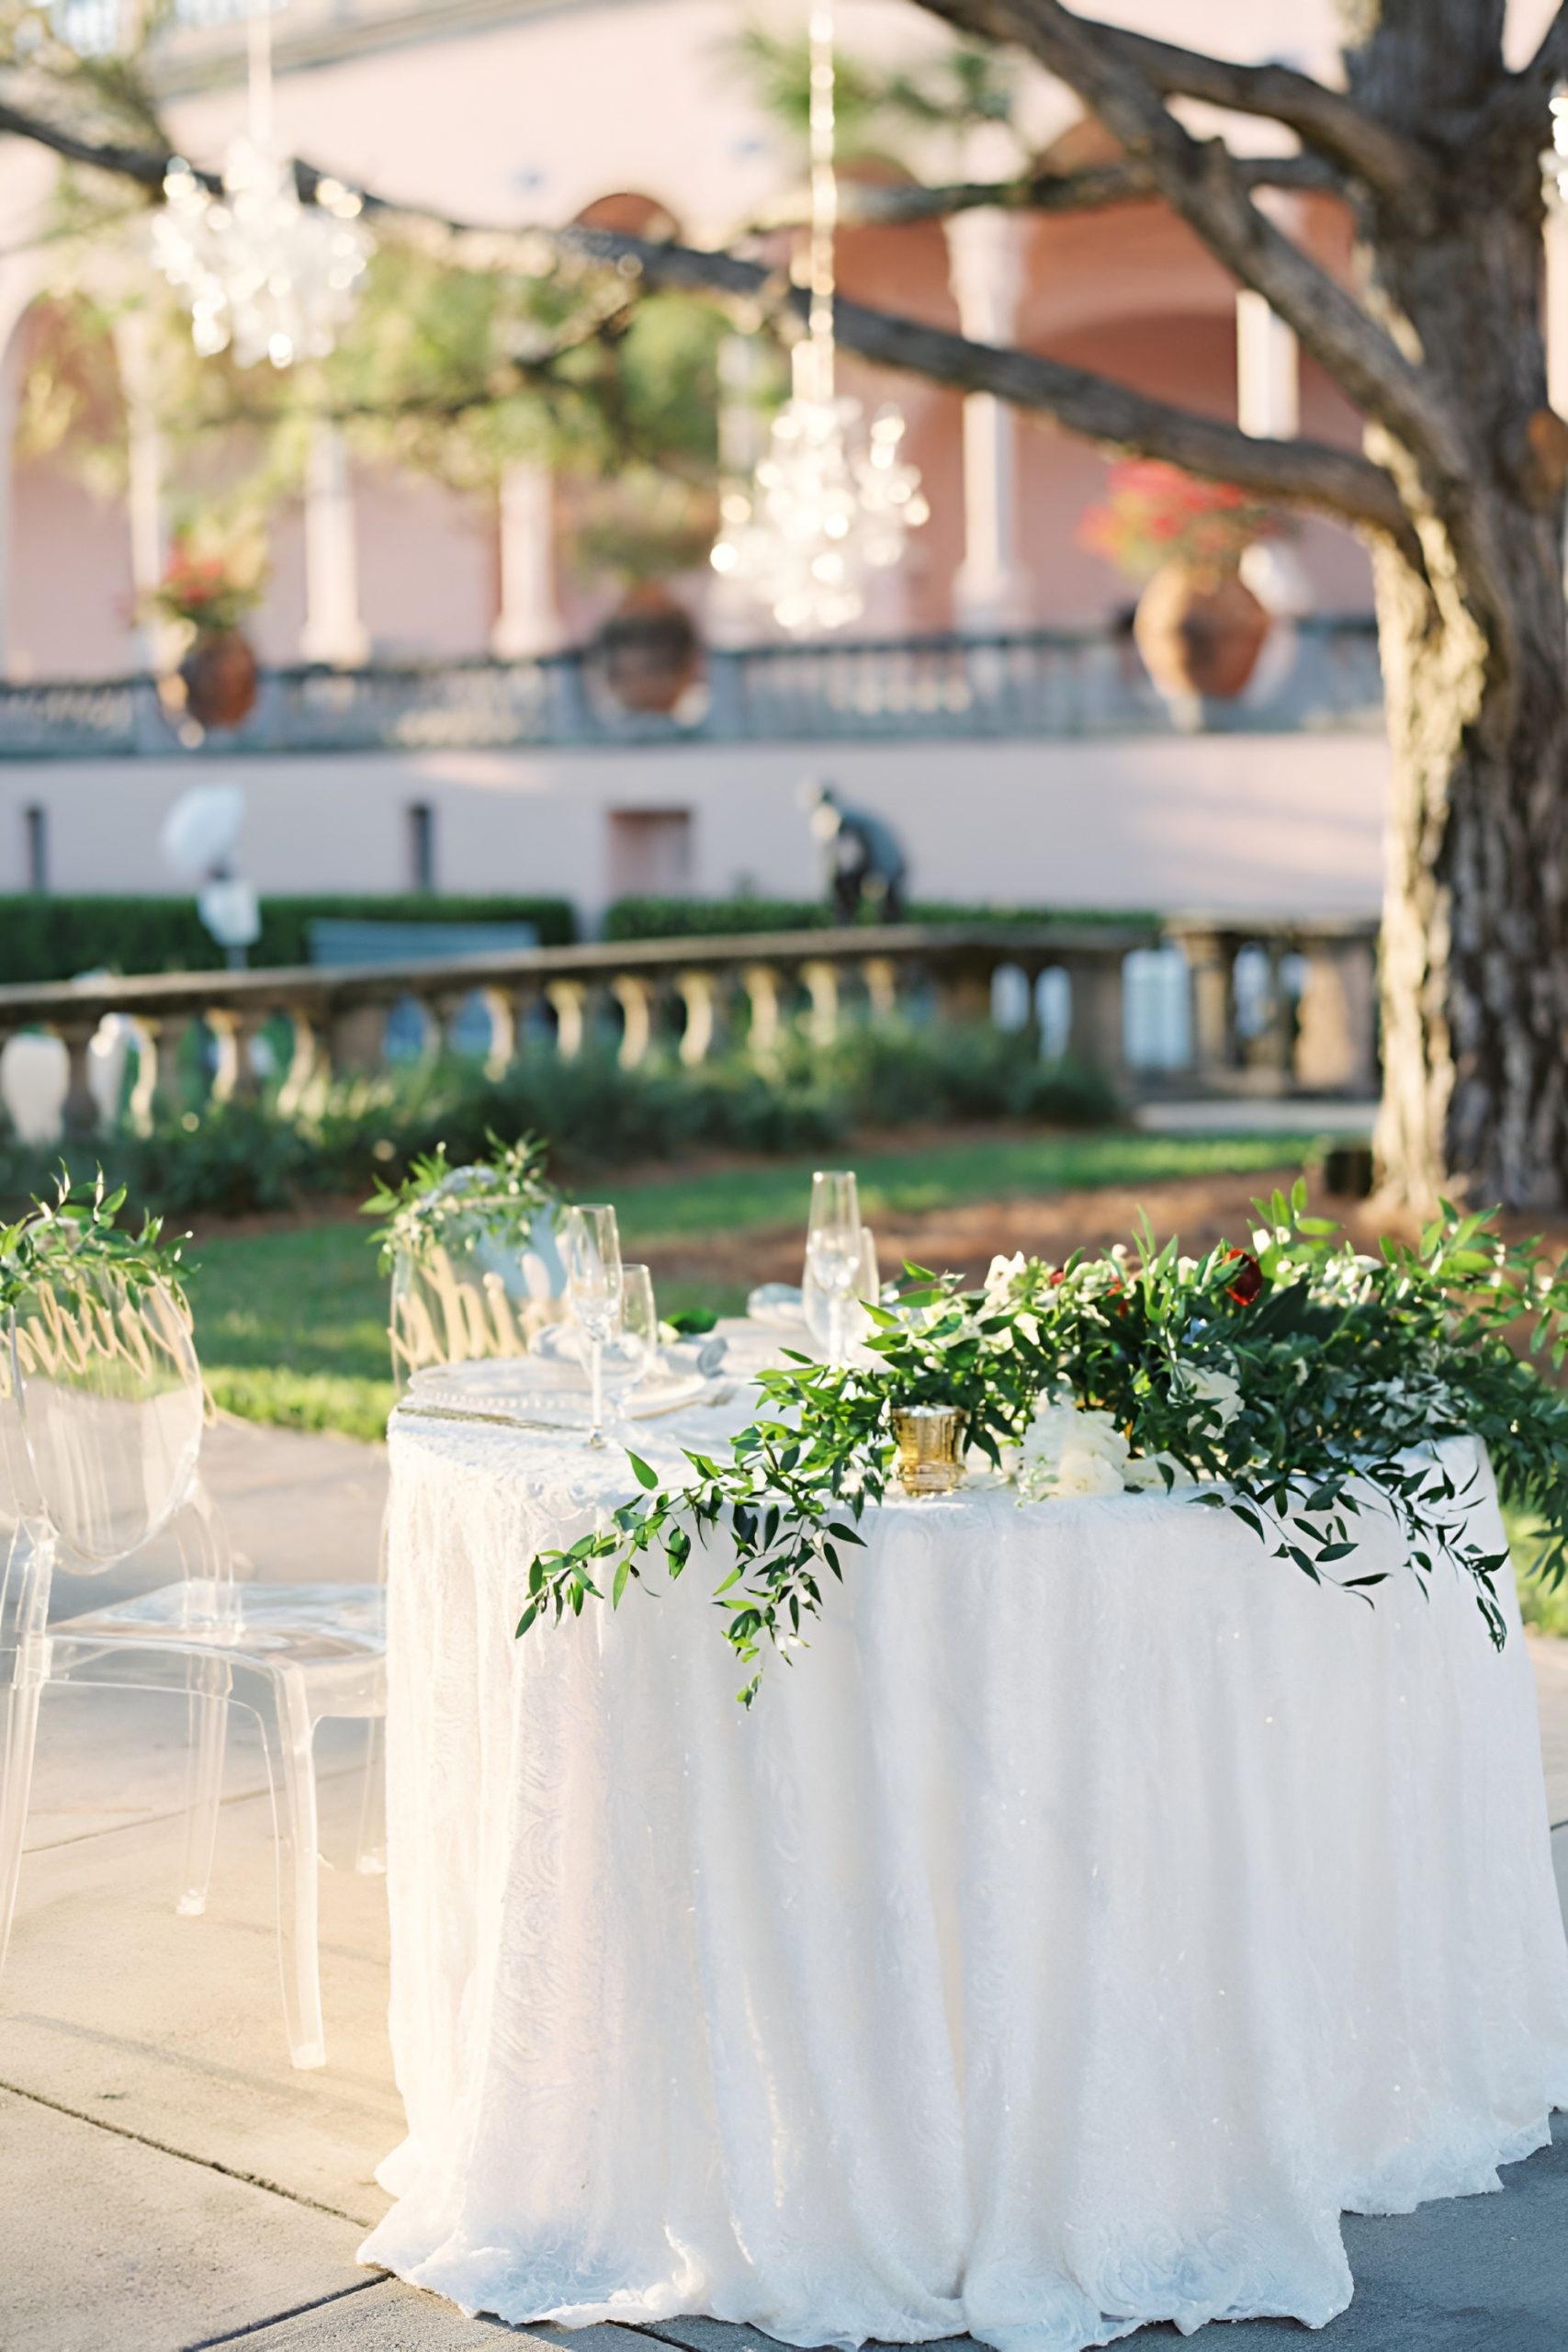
x: 516, y: 110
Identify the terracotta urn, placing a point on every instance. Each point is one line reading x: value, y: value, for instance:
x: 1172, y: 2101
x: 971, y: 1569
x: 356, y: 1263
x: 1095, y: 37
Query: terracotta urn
x: 1200, y: 631
x: 647, y: 651
x: 216, y: 683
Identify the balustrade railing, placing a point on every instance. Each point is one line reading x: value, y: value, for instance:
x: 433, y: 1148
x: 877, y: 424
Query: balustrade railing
x: 1040, y: 683
x: 1198, y: 1006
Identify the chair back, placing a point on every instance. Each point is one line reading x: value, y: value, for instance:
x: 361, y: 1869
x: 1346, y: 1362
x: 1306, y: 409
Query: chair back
x: 473, y: 1289
x: 111, y: 1408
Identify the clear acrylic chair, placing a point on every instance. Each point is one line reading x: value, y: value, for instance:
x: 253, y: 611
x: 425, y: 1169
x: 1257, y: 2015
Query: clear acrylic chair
x: 473, y: 1292
x: 101, y: 1419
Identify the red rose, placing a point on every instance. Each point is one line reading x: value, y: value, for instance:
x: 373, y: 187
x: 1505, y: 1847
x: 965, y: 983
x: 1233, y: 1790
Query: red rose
x: 1248, y: 1283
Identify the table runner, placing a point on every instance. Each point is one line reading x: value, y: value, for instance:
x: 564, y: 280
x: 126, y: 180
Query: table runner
x: 1091, y: 1912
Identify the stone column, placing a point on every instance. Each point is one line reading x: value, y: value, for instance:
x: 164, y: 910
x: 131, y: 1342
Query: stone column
x: 1268, y: 370
x: 1097, y: 1036
x: 134, y: 341
x: 986, y: 256
x: 333, y: 631
x: 529, y: 620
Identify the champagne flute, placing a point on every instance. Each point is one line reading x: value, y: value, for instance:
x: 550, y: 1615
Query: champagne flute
x: 636, y: 1347
x: 593, y: 1250
x: 833, y: 1248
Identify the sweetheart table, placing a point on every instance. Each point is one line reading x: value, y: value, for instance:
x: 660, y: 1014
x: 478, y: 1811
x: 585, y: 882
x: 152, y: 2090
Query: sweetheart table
x: 1091, y: 1912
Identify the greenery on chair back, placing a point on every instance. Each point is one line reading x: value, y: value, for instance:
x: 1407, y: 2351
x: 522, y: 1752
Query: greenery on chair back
x: 75, y: 1228
x: 1297, y: 1383
x: 426, y: 1211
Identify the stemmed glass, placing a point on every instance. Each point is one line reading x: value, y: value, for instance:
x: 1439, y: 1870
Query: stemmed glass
x: 636, y: 1348
x: 592, y: 1251
x: 833, y: 1248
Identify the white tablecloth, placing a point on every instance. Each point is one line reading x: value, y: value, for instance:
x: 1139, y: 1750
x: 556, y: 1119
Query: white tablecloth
x: 1094, y: 1911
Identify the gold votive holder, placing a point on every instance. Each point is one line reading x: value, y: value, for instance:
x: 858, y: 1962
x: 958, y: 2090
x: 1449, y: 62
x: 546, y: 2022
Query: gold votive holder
x: 929, y: 1439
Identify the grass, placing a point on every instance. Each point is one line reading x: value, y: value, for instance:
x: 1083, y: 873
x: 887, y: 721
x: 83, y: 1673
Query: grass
x: 292, y: 1324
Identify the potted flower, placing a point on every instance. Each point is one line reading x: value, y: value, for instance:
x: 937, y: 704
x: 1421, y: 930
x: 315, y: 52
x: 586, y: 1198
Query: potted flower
x: 208, y: 588
x: 641, y: 530
x: 1198, y: 626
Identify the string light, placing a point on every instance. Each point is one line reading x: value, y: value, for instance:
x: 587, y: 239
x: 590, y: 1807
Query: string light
x: 832, y: 500
x: 262, y: 273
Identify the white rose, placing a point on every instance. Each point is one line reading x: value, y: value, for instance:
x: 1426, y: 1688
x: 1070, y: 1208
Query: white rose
x: 1144, y: 1474
x: 1220, y: 1391
x: 1082, y: 1471
x: 1058, y: 1423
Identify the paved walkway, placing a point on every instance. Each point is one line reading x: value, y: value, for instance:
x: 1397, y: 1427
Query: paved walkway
x: 167, y: 2182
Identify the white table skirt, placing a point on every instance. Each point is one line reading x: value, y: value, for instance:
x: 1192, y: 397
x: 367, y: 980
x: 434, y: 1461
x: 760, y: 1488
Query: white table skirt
x: 1094, y: 1911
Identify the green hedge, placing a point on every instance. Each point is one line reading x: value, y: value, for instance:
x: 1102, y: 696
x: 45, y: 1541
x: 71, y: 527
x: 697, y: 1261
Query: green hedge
x: 49, y: 938
x: 648, y: 918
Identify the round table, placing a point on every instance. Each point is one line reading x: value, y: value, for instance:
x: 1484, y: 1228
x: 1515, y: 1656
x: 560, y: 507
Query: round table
x: 1091, y: 1912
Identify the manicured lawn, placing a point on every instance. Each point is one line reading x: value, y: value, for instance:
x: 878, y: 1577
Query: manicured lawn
x: 292, y: 1324
x: 983, y: 1168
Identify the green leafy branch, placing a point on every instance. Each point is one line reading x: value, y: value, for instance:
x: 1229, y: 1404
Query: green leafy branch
x: 1297, y: 1383
x: 428, y: 1210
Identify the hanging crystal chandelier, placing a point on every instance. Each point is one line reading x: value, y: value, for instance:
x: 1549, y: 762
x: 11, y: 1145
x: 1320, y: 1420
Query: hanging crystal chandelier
x: 272, y: 278
x: 832, y: 500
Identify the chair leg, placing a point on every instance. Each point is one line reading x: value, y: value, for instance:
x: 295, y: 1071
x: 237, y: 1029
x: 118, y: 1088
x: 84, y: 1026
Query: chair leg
x: 370, y: 1860
x: 278, y: 1700
x: 209, y: 1683
x: 24, y: 1653
x: 19, y: 1716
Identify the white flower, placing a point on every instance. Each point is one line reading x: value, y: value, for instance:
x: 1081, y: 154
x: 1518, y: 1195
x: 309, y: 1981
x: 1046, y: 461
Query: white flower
x: 1144, y: 1474
x: 1068, y: 1450
x: 1059, y: 1423
x: 1219, y: 1392
x: 1082, y: 1471
x: 1000, y: 1277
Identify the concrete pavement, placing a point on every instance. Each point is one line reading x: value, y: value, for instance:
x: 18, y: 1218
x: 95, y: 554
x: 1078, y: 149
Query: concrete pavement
x: 168, y: 2182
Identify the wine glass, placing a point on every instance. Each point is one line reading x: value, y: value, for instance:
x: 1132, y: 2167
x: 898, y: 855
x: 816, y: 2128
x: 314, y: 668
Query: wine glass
x: 833, y: 1248
x: 634, y: 1350
x: 592, y: 1251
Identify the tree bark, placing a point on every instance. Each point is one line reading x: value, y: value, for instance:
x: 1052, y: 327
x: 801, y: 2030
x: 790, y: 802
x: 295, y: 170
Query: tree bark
x: 1475, y: 641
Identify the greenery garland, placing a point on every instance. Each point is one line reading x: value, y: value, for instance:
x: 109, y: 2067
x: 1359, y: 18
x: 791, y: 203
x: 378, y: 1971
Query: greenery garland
x: 426, y: 1211
x: 72, y: 1228
x: 1295, y: 1384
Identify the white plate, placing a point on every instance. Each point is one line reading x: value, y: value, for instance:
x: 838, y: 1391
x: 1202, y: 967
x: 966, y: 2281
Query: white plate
x: 551, y: 1390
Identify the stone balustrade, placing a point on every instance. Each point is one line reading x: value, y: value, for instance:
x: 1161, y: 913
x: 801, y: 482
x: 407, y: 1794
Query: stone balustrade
x: 1037, y: 683
x: 1238, y: 1006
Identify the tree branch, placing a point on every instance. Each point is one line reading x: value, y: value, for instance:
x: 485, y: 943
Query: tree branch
x: 1518, y: 117
x: 142, y: 164
x: 1331, y: 123
x: 863, y: 204
x: 1296, y: 473
x: 1199, y: 179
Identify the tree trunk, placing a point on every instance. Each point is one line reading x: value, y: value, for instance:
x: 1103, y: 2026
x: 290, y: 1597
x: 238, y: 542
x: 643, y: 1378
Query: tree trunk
x: 1475, y: 658
x: 1474, y: 941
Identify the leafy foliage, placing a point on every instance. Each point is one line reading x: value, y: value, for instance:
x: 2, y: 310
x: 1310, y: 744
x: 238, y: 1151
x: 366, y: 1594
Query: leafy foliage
x: 426, y: 1211
x: 71, y: 1226
x: 1295, y: 1384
